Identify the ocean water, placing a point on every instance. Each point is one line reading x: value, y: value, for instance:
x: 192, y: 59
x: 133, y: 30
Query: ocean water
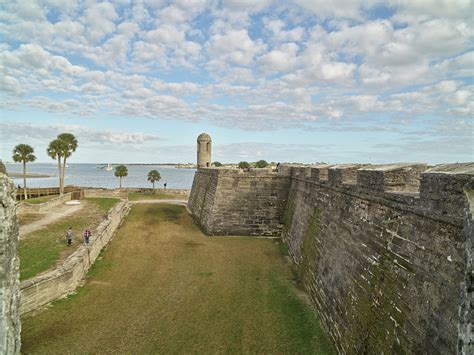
x: 90, y: 176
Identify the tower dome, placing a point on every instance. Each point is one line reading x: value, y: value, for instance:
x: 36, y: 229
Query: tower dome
x: 204, y: 137
x: 204, y: 143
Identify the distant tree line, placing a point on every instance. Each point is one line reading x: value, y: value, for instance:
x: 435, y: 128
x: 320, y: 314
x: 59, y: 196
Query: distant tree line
x: 258, y: 164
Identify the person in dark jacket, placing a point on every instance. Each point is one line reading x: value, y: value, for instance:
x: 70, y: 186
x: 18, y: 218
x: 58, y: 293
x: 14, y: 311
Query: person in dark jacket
x: 69, y: 236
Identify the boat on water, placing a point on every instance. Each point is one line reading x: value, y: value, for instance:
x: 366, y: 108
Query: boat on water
x: 109, y: 167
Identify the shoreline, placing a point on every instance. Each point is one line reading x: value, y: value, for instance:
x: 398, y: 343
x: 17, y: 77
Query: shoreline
x: 28, y: 175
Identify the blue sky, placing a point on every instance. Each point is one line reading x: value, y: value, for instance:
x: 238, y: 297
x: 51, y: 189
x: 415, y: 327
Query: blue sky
x: 302, y: 81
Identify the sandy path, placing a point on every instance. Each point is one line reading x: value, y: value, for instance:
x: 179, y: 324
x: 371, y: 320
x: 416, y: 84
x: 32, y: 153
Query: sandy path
x: 51, y: 216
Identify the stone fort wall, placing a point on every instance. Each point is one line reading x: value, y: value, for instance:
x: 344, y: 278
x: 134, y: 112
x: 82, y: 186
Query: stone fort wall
x: 9, y: 270
x: 380, y: 250
x: 232, y: 202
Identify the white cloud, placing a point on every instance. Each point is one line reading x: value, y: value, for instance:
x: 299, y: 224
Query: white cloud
x: 46, y: 133
x: 99, y: 20
x: 281, y: 59
x: 234, y: 47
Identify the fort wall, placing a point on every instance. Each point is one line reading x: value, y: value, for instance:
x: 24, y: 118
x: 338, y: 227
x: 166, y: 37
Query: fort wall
x: 232, y: 202
x: 24, y: 207
x: 379, y: 249
x: 45, y: 288
x: 9, y: 270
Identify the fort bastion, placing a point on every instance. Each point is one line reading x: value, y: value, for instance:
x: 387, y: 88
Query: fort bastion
x: 383, y: 251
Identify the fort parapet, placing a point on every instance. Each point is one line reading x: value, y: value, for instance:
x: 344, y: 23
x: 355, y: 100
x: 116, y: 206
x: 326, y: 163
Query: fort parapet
x: 380, y: 249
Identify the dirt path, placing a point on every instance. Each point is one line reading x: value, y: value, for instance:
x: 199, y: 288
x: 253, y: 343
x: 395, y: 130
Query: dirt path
x: 51, y: 216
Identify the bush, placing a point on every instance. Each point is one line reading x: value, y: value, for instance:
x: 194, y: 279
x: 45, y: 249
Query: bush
x: 217, y: 164
x: 244, y: 165
x: 261, y: 164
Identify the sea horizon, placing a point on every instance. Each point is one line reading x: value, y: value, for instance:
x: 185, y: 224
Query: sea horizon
x: 89, y: 175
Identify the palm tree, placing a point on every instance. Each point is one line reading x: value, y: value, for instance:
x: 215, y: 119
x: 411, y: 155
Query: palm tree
x: 70, y: 145
x: 54, y: 150
x: 120, y: 172
x: 154, y: 176
x: 23, y: 153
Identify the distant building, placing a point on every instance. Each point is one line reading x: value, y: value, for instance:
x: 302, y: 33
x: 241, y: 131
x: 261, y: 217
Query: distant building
x: 204, y: 143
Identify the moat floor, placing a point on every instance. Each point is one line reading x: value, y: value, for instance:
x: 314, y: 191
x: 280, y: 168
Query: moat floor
x: 164, y: 287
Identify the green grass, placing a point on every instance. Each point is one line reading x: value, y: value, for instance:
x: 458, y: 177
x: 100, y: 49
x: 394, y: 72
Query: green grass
x: 27, y: 218
x: 42, y: 249
x: 104, y: 203
x: 136, y: 196
x: 167, y: 288
x: 38, y: 200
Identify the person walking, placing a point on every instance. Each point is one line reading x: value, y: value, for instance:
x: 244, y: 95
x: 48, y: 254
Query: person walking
x: 87, y: 236
x: 69, y: 236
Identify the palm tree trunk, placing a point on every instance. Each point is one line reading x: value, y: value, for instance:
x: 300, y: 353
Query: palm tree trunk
x: 59, y: 173
x: 24, y: 180
x: 153, y: 186
x: 62, y: 176
x: 120, y: 183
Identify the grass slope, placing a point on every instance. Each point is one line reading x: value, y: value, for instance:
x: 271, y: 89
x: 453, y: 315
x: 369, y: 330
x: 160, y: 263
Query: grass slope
x: 167, y: 288
x: 41, y: 250
x: 136, y: 196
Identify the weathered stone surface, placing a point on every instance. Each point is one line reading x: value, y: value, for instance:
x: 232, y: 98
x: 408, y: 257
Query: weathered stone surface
x: 442, y: 188
x: 9, y: 270
x: 226, y: 201
x: 466, y: 311
x: 204, y: 148
x: 43, y: 289
x: 382, y: 263
x: 391, y: 177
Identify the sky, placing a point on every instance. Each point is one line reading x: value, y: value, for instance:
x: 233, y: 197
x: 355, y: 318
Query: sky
x: 285, y: 81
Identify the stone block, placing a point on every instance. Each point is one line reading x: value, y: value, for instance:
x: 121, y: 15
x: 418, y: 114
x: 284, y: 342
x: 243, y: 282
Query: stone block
x: 442, y: 188
x: 343, y: 174
x: 391, y: 177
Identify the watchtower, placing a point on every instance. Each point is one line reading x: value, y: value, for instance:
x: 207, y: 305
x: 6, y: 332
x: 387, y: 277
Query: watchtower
x: 204, y: 142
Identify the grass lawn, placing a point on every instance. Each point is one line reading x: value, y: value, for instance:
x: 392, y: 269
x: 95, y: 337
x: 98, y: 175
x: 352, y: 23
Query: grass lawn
x: 103, y: 203
x: 41, y: 250
x: 37, y: 200
x: 167, y: 288
x: 135, y: 196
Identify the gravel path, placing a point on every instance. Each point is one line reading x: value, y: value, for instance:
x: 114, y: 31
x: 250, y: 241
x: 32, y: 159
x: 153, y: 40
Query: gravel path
x: 52, y: 216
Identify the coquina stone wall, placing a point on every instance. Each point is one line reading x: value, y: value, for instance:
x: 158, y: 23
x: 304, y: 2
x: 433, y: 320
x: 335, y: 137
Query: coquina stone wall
x: 45, y: 288
x: 24, y: 207
x: 380, y: 250
x: 466, y: 312
x: 233, y: 202
x: 9, y: 270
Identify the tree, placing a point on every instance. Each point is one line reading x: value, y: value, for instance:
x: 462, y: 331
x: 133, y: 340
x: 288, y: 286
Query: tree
x: 120, y: 172
x: 244, y: 165
x: 70, y: 145
x: 55, y: 151
x: 217, y: 164
x: 23, y: 153
x: 261, y: 164
x: 154, y: 176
